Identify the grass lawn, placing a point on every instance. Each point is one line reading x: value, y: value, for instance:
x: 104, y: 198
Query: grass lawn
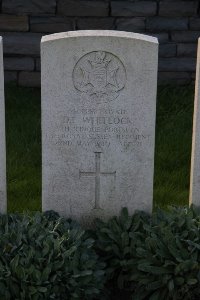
x: 172, y: 155
x: 23, y: 148
x: 173, y: 146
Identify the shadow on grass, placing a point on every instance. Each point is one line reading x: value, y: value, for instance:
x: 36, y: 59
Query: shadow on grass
x: 173, y: 145
x: 23, y: 138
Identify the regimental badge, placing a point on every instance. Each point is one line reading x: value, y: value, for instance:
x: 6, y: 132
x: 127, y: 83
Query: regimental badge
x: 100, y: 76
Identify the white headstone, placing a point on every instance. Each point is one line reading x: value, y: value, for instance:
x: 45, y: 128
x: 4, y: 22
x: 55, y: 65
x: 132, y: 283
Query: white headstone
x: 98, y: 122
x: 3, y: 200
x: 195, y: 162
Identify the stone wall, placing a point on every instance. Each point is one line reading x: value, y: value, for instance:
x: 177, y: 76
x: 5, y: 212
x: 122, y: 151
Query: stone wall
x: 176, y: 23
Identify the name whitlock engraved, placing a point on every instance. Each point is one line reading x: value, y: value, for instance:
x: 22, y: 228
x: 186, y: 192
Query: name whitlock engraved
x: 91, y: 130
x: 100, y: 76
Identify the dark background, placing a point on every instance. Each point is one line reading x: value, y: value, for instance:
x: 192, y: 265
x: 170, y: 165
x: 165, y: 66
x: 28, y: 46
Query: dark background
x: 175, y: 23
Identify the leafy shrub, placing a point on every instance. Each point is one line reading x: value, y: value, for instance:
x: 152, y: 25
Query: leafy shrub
x: 117, y: 247
x: 168, y: 258
x: 47, y: 257
x: 154, y: 258
x: 147, y: 258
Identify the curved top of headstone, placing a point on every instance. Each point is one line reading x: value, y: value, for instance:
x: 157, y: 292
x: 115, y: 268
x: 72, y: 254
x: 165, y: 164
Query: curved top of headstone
x: 99, y: 33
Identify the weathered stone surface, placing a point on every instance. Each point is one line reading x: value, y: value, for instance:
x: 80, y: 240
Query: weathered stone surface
x: 22, y: 43
x: 14, y: 23
x: 29, y: 79
x: 95, y: 23
x: 81, y: 8
x: 29, y: 6
x: 98, y: 122
x: 131, y: 24
x: 3, y: 198
x: 19, y: 63
x: 185, y: 36
x: 10, y: 76
x: 195, y: 161
x: 167, y: 50
x: 178, y: 9
x: 133, y: 9
x: 174, y: 78
x: 164, y: 24
x: 51, y: 24
x: 177, y: 64
x: 195, y: 23
x: 189, y: 50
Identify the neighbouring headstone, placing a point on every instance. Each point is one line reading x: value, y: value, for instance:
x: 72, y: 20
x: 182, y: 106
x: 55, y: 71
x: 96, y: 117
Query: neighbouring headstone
x: 98, y: 122
x: 195, y: 161
x: 3, y: 198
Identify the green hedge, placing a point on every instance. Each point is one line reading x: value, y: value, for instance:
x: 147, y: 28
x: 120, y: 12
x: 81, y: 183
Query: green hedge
x: 44, y: 256
x: 47, y: 257
x: 154, y: 257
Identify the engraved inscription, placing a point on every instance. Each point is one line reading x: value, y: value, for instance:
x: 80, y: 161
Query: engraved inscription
x: 100, y: 76
x: 97, y: 175
x: 97, y: 129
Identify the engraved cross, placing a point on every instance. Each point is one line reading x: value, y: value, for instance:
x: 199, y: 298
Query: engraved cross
x: 97, y: 175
